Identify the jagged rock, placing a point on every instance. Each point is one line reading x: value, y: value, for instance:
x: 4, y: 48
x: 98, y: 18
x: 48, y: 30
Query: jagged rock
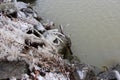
x: 13, y: 68
x: 112, y: 73
x: 23, y: 38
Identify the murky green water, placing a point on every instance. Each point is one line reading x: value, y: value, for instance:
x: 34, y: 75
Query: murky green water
x: 93, y: 25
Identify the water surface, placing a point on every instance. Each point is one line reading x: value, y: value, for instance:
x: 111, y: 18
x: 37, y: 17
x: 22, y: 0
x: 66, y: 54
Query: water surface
x: 93, y: 25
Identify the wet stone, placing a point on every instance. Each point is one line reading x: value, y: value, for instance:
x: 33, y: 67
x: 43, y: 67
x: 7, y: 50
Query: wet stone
x: 14, y: 68
x: 28, y: 1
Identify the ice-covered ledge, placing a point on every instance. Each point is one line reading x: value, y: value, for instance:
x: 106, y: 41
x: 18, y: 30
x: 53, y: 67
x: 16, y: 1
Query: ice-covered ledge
x: 25, y: 39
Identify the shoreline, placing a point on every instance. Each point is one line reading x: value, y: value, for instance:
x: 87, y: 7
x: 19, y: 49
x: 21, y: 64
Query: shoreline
x: 35, y: 50
x: 25, y: 39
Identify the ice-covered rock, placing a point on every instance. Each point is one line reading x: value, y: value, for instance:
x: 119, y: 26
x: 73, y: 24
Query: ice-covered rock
x: 23, y: 38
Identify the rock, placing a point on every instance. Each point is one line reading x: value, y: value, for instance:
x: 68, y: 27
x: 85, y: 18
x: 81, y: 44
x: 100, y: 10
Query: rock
x: 40, y: 28
x: 29, y: 12
x: 28, y: 1
x: 14, y: 68
x: 25, y: 42
x: 113, y: 73
x: 8, y: 7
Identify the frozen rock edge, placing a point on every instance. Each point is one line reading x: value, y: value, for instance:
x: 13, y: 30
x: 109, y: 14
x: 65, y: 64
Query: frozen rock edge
x: 25, y: 39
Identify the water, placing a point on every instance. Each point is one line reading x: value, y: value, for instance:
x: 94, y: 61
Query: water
x: 93, y: 25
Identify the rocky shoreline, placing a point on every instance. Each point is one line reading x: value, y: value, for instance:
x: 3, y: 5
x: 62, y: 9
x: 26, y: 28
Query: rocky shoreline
x: 35, y: 50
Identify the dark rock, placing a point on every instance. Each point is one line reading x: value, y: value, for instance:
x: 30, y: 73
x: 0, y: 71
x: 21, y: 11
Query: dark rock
x: 30, y: 32
x: 34, y: 44
x: 56, y: 41
x: 29, y: 12
x: 12, y: 15
x: 14, y: 68
x: 28, y: 1
x: 39, y: 28
x: 42, y: 74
